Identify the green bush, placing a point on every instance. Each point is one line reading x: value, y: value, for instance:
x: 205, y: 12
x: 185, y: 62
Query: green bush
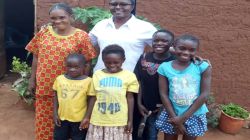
x: 91, y: 15
x: 213, y: 114
x: 235, y: 111
x: 20, y: 67
x: 21, y: 84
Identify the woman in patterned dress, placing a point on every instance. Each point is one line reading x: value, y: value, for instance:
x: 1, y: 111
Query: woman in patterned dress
x: 49, y: 47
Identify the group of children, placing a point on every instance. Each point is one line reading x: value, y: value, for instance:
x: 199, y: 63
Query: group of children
x: 172, y: 89
x: 108, y: 111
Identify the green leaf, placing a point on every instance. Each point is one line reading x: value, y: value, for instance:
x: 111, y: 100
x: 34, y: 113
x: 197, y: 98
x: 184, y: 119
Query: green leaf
x: 21, y: 84
x: 235, y: 110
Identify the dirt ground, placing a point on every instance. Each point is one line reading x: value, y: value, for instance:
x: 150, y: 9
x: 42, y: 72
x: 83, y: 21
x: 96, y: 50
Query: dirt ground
x: 17, y: 118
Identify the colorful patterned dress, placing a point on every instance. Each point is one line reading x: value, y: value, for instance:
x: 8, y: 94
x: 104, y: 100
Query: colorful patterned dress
x: 51, y: 50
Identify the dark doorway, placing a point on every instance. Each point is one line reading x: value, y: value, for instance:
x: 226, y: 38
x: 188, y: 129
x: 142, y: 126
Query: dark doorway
x: 19, y: 28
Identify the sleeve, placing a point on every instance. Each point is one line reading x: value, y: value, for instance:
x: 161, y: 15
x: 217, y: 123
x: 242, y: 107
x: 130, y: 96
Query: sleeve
x: 91, y: 90
x: 149, y: 34
x: 86, y: 47
x: 98, y: 29
x: 94, y: 30
x: 138, y: 69
x: 161, y: 69
x: 93, y: 39
x: 203, y: 66
x: 33, y: 45
x: 133, y: 85
x: 55, y: 85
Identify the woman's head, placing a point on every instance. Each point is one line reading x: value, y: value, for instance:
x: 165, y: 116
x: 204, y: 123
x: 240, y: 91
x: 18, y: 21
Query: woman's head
x: 186, y: 47
x: 61, y: 16
x: 113, y: 56
x: 75, y: 65
x: 121, y: 9
x: 162, y: 40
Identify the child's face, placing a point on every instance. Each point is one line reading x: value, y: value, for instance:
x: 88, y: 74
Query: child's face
x: 113, y: 62
x: 161, y: 42
x: 60, y: 19
x: 185, y: 50
x: 74, y: 67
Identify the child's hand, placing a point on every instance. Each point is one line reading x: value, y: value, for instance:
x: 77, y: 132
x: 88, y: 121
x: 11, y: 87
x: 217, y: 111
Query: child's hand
x: 142, y: 110
x: 45, y: 26
x: 129, y: 128
x: 57, y: 120
x: 177, y: 121
x: 180, y: 129
x: 200, y: 60
x: 171, y: 50
x: 84, y: 124
x: 148, y: 49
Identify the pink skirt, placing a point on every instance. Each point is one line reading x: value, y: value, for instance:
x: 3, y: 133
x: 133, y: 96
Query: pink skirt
x: 107, y: 133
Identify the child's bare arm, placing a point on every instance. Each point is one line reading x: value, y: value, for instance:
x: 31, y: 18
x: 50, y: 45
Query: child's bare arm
x: 205, y: 90
x: 130, y: 101
x: 91, y: 103
x: 55, y: 107
x: 85, y: 122
x: 141, y: 107
x: 163, y: 89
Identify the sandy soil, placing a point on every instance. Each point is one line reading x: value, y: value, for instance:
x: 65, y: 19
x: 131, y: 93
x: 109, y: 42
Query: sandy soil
x: 17, y: 118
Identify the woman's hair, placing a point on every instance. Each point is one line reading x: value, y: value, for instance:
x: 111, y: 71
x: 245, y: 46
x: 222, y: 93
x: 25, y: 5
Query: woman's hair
x: 187, y: 37
x: 62, y: 6
x: 167, y: 32
x: 78, y: 56
x: 113, y: 49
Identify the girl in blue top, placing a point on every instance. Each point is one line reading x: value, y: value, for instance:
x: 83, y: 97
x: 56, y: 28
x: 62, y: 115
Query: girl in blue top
x: 184, y: 87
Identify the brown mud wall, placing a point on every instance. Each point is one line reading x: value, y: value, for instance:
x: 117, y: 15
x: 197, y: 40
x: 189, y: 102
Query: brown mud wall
x: 223, y: 27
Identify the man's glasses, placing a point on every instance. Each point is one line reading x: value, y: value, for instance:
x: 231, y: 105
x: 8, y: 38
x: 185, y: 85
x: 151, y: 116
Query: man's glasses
x: 120, y: 4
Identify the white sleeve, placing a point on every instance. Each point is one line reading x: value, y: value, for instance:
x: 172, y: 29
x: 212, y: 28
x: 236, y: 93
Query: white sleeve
x: 93, y: 39
x: 149, y: 35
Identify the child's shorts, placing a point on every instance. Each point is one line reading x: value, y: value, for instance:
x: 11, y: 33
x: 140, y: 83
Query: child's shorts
x: 195, y: 126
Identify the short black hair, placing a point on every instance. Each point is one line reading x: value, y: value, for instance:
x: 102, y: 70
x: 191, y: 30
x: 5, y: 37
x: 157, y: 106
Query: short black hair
x: 167, y: 32
x: 187, y: 37
x: 114, y: 48
x: 62, y: 6
x: 78, y: 56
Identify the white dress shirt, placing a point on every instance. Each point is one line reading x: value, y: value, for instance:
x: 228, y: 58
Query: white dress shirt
x: 132, y: 36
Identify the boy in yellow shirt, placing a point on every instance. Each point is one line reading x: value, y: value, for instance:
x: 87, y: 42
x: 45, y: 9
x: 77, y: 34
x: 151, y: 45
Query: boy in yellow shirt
x: 70, y: 100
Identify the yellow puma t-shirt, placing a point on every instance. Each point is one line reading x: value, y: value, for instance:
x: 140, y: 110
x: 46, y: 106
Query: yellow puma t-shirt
x: 72, y: 97
x: 111, y: 108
